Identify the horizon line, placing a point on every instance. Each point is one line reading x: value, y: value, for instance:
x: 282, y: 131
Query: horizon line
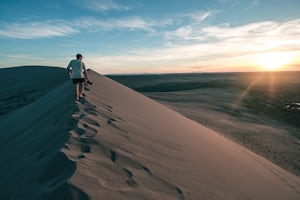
x: 161, y: 73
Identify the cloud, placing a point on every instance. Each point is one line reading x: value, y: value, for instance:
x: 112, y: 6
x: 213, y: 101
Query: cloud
x: 191, y: 30
x: 254, y: 36
x: 199, y: 16
x: 59, y: 28
x: 187, y: 40
x: 33, y: 30
x: 104, y: 5
x: 131, y: 23
x: 213, y: 48
x: 20, y: 57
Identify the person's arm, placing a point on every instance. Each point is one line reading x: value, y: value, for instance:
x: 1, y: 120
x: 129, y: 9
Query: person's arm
x: 86, y: 74
x: 69, y: 69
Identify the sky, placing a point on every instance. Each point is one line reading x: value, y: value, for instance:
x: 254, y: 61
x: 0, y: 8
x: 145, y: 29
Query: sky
x: 152, y: 36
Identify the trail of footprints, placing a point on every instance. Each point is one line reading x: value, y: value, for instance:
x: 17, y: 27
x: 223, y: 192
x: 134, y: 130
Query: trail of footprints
x: 84, y: 136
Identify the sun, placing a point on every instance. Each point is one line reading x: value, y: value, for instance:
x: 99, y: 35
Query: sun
x: 272, y: 61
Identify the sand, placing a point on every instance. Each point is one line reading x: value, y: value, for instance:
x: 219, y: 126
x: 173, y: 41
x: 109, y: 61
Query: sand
x: 119, y: 144
x: 257, y: 110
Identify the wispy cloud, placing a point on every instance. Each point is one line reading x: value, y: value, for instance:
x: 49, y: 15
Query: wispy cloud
x: 187, y: 41
x: 256, y: 36
x: 131, y: 23
x: 34, y: 30
x: 199, y: 16
x: 261, y: 35
x: 104, y: 5
x: 58, y: 28
x: 21, y: 56
x: 191, y: 30
x: 214, y: 47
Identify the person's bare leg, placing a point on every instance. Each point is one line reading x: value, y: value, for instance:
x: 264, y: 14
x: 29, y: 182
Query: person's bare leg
x: 81, y: 89
x: 77, y: 91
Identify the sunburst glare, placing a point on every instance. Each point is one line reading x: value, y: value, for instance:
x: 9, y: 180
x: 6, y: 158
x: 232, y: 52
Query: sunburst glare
x: 273, y: 61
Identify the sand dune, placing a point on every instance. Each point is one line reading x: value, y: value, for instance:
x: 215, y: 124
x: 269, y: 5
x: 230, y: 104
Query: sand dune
x: 123, y: 145
x: 20, y: 87
x: 31, y: 139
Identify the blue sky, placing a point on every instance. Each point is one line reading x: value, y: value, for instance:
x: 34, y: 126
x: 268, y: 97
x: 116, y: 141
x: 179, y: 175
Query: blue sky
x: 152, y: 36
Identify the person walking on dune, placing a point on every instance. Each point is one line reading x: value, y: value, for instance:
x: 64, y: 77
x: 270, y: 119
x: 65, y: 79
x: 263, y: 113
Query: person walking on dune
x: 77, y: 72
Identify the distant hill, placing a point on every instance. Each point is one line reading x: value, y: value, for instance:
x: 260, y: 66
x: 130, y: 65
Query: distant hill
x: 23, y: 85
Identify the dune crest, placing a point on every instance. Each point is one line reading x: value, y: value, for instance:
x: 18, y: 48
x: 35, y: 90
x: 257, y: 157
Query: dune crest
x: 123, y: 145
x: 129, y: 146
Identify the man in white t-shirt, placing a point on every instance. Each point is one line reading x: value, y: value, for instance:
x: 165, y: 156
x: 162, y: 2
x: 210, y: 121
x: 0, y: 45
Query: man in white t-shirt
x: 78, y: 73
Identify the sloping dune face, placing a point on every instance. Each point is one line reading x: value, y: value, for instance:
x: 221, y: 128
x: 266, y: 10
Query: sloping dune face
x: 130, y: 147
x: 31, y: 163
x: 119, y: 144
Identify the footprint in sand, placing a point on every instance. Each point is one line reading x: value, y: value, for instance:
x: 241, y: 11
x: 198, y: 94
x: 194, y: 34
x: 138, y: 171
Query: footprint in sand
x: 90, y: 108
x: 84, y: 138
x: 109, y: 108
x: 77, y: 131
x: 86, y: 144
x: 110, y: 120
x: 85, y: 148
x: 130, y: 180
x: 90, y: 121
x: 90, y: 132
x: 139, y: 175
x: 91, y: 111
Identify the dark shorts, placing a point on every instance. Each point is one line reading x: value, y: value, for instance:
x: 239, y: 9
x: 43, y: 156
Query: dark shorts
x: 77, y: 80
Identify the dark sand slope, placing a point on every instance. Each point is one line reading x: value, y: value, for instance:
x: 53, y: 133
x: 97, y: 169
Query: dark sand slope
x: 130, y: 147
x: 31, y: 139
x: 124, y: 145
x: 23, y: 85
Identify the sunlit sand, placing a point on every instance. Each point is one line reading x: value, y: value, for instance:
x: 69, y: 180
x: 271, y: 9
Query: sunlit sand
x: 118, y: 144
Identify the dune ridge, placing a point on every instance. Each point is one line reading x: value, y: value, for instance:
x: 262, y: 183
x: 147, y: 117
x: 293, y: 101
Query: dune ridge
x: 131, y: 147
x: 119, y: 144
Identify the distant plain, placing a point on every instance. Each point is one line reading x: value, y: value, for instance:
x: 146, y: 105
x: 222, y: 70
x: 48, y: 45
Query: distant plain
x: 260, y: 110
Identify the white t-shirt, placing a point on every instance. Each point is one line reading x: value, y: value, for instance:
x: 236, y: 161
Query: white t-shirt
x: 77, y: 67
